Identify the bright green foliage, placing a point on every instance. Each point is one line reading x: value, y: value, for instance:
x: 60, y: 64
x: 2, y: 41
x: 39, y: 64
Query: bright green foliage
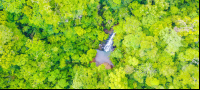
x: 117, y: 2
x: 118, y: 79
x: 86, y: 58
x: 132, y: 41
x: 109, y: 19
x: 150, y: 81
x: 188, y: 74
x: 3, y: 15
x: 137, y: 9
x: 188, y: 55
x: 48, y: 44
x: 174, y: 10
x: 13, y: 6
x: 167, y: 70
x: 79, y: 31
x: 35, y: 48
x: 5, y: 35
x: 172, y: 39
x: 6, y: 53
x: 132, y: 61
x: 81, y: 81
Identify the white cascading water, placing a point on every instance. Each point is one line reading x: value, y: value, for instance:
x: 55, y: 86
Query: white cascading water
x: 103, y: 56
x: 108, y: 46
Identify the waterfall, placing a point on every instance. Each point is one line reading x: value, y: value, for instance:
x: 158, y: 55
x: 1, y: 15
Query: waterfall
x: 109, y: 43
x: 102, y: 56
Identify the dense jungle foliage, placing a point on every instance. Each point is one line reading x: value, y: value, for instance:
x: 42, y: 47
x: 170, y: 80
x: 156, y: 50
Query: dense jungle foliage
x: 49, y: 44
